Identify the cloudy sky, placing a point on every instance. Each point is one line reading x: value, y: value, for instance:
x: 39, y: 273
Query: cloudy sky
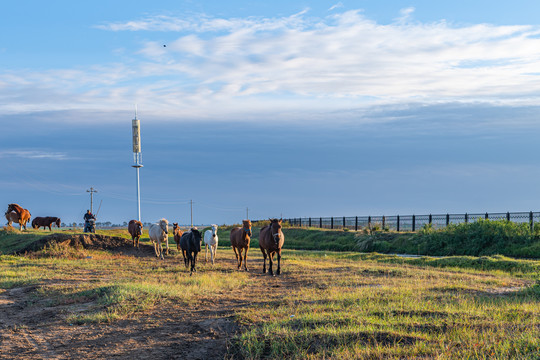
x: 292, y: 108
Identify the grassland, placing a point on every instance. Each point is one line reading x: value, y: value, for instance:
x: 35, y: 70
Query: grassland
x: 325, y: 305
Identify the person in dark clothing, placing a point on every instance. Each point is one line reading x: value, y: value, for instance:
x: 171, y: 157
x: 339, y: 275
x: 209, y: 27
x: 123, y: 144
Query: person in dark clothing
x: 89, y: 222
x: 89, y: 216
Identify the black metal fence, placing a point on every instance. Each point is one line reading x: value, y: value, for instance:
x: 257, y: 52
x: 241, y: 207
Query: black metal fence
x: 409, y: 222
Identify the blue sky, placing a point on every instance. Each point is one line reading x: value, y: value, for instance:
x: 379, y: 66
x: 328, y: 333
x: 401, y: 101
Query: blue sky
x: 293, y: 108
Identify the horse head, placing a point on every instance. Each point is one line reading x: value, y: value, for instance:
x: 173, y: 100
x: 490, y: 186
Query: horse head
x: 164, y: 225
x: 275, y: 229
x: 13, y: 207
x: 58, y: 222
x: 246, y: 225
x: 214, y: 230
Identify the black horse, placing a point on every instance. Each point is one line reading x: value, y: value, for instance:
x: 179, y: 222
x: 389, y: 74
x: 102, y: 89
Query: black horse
x: 190, y: 242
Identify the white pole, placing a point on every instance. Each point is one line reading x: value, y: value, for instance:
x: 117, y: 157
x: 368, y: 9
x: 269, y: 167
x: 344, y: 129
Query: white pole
x: 138, y: 195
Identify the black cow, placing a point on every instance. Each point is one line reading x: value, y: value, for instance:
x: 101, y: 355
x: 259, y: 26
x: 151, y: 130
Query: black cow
x: 190, y: 242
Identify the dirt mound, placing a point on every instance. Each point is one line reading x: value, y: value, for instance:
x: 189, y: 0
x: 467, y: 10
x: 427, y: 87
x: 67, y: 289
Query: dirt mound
x: 91, y: 242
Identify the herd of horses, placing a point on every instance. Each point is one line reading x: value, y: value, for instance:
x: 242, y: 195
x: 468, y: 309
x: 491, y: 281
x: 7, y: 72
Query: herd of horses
x: 271, y: 241
x: 271, y: 238
x: 17, y: 214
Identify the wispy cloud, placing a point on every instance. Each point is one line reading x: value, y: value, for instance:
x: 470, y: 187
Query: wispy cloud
x: 294, y: 66
x: 33, y: 154
x: 336, y: 6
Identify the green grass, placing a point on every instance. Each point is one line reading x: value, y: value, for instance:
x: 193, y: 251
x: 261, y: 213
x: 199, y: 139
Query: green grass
x: 325, y: 305
x: 347, y: 307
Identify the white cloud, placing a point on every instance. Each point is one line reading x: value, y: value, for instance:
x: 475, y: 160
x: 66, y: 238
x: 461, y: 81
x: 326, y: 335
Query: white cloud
x: 244, y: 67
x: 33, y: 154
x: 336, y: 6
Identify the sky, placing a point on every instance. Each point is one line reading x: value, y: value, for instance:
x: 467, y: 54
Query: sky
x: 282, y: 108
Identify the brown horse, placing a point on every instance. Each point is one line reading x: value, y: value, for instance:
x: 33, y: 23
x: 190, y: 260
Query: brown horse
x: 271, y: 241
x: 240, y: 238
x: 135, y: 228
x: 11, y: 217
x: 22, y: 214
x: 177, y: 235
x: 45, y: 222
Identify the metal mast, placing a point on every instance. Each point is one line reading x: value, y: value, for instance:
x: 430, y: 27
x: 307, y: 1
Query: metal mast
x: 137, y: 157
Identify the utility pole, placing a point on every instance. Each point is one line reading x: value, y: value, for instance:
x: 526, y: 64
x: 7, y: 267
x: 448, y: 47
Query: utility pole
x: 247, y: 213
x: 191, y: 207
x: 137, y: 158
x: 91, y: 191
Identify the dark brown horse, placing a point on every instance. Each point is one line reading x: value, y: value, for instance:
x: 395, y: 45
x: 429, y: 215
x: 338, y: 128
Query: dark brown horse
x: 271, y: 241
x: 177, y: 235
x: 135, y: 228
x: 23, y: 214
x: 46, y: 222
x: 240, y: 238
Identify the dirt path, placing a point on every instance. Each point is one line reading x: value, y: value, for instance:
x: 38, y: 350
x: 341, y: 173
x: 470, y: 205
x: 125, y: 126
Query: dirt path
x: 33, y: 329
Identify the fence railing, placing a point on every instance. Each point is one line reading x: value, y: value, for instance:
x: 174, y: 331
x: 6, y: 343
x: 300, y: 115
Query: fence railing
x: 409, y: 222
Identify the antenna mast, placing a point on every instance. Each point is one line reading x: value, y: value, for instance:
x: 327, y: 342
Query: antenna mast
x: 137, y: 157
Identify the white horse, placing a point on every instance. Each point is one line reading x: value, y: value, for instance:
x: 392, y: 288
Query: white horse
x: 211, y: 241
x: 159, y: 232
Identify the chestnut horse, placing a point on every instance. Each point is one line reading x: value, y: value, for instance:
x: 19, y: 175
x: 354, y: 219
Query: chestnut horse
x: 240, y: 238
x: 135, y: 228
x: 23, y: 214
x: 177, y: 235
x: 271, y: 241
x: 46, y: 222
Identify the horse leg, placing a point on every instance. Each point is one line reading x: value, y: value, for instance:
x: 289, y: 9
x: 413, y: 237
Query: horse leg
x: 245, y: 258
x: 184, y: 255
x: 190, y: 261
x: 167, y: 244
x: 278, y: 262
x: 194, y: 263
x: 264, y: 260
x: 270, y: 262
x: 238, y: 258
x: 213, y: 253
x: 206, y: 253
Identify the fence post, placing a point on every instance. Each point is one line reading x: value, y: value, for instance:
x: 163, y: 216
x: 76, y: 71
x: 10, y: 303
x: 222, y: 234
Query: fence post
x: 369, y: 223
x: 397, y: 226
x: 466, y: 218
x: 332, y: 222
x: 507, y: 216
x: 430, y: 219
x: 356, y: 223
x: 413, y: 223
x: 487, y: 216
x: 447, y: 219
x: 309, y: 222
x: 383, y: 222
x: 531, y: 221
x: 344, y: 222
x: 320, y: 222
x: 300, y: 222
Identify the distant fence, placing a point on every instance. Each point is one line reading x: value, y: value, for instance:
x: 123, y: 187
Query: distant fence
x: 409, y: 222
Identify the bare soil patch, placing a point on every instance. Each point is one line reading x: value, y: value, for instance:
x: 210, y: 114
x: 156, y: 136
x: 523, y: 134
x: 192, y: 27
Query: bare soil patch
x: 34, y: 328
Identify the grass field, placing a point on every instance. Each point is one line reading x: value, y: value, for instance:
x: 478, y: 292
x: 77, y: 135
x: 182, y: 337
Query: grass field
x: 325, y: 305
